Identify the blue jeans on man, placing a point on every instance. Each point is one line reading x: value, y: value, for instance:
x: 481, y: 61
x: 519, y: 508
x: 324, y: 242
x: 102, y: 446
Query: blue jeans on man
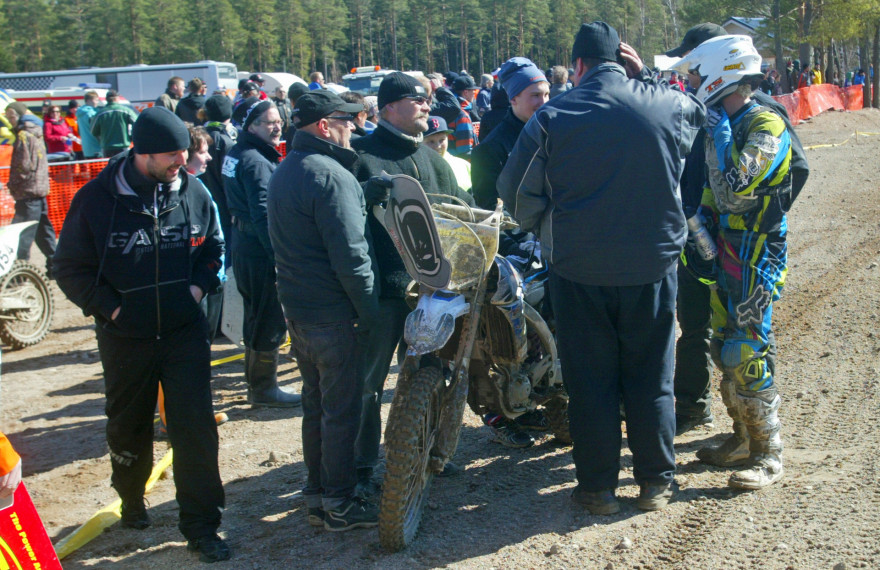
x: 330, y: 360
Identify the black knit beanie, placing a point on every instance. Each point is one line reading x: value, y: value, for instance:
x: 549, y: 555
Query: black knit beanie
x: 250, y: 110
x: 218, y: 108
x: 158, y: 130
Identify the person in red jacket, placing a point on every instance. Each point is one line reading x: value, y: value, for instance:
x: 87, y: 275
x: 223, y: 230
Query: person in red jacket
x: 57, y: 134
x: 10, y: 468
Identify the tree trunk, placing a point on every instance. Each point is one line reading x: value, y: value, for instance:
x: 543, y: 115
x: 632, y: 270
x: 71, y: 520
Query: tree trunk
x: 777, y: 48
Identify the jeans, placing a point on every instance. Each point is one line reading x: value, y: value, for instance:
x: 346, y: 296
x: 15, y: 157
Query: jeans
x: 35, y: 210
x: 384, y: 339
x: 264, y: 327
x: 693, y: 365
x: 618, y: 342
x: 330, y: 361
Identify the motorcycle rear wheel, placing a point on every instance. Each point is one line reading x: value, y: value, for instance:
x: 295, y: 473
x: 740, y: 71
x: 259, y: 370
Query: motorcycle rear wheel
x: 412, y: 429
x: 26, y: 327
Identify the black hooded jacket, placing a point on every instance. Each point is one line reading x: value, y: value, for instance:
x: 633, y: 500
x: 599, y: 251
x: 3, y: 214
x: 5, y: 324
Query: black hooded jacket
x: 116, y: 251
x: 188, y: 108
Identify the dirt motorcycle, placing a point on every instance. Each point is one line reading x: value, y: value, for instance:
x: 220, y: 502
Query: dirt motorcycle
x: 26, y: 304
x: 472, y: 339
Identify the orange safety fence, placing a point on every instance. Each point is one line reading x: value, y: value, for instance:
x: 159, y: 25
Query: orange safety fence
x: 809, y: 101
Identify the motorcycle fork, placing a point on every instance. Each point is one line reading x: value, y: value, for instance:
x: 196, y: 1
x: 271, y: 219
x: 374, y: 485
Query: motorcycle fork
x: 454, y: 398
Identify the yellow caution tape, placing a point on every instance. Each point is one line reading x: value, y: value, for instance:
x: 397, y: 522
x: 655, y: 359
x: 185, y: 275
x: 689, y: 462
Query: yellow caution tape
x: 106, y: 517
x: 111, y: 514
x: 852, y: 136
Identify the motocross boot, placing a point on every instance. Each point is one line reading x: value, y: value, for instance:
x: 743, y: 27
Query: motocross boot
x: 261, y: 373
x: 760, y: 414
x: 735, y: 449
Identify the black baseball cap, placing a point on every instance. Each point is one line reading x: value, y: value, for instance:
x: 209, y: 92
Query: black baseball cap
x: 695, y: 36
x: 320, y: 103
x: 436, y: 125
x: 256, y: 77
x: 463, y: 82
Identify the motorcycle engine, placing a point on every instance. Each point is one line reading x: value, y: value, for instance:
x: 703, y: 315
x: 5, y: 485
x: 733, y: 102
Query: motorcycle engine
x: 516, y: 390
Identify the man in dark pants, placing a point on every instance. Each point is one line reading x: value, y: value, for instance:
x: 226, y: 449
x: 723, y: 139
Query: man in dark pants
x: 246, y: 172
x: 396, y: 148
x: 693, y: 365
x: 139, y: 251
x: 317, y: 223
x: 613, y: 239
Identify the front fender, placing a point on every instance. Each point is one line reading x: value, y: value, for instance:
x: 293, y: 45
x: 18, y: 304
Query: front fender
x: 431, y: 324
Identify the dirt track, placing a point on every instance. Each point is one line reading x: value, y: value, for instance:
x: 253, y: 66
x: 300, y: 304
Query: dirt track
x: 511, y: 507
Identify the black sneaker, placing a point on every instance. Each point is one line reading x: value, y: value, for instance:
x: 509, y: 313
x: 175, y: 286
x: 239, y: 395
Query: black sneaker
x: 684, y: 424
x: 353, y: 513
x: 316, y: 516
x: 534, y: 420
x: 597, y: 502
x: 211, y: 548
x: 134, y: 515
x: 509, y: 434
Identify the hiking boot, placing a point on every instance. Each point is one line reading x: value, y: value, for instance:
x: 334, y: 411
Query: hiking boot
x: 684, y: 424
x: 211, y: 548
x: 261, y: 374
x: 654, y: 497
x: 597, y: 502
x: 732, y: 452
x: 509, y: 434
x: 355, y: 512
x: 134, y: 515
x: 534, y: 420
x: 316, y: 516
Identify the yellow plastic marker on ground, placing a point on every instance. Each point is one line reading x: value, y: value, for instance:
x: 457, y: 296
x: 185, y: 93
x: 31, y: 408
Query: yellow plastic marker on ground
x: 106, y: 517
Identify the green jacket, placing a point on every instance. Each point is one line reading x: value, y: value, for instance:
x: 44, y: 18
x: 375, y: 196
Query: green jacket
x: 112, y: 126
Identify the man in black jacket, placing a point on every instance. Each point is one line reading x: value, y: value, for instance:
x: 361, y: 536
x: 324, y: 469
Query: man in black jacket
x: 139, y: 251
x: 188, y: 108
x: 596, y: 172
x: 246, y: 172
x: 218, y: 111
x: 396, y: 148
x: 317, y: 220
x: 693, y: 365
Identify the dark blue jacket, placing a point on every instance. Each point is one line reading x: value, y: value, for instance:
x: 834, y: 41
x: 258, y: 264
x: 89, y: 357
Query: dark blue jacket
x: 317, y: 222
x: 596, y: 171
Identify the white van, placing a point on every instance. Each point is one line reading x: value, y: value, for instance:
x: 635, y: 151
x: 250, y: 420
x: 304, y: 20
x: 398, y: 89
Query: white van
x: 140, y: 84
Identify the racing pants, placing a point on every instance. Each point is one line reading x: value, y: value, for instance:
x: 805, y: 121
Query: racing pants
x: 133, y: 369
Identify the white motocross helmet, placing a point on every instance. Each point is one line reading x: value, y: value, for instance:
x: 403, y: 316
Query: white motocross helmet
x: 723, y: 63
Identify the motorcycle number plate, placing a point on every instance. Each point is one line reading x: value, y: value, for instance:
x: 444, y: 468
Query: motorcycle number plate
x: 410, y: 223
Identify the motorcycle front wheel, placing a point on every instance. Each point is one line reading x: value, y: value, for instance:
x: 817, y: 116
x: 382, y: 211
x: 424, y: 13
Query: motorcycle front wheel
x: 412, y: 429
x: 27, y: 306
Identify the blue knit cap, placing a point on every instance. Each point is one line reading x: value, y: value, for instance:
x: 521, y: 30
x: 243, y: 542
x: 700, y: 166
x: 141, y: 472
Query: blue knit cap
x: 517, y: 73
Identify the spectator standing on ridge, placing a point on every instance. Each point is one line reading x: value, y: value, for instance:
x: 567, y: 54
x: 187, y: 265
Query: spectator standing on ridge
x: 70, y: 119
x: 188, y: 108
x: 317, y: 221
x: 139, y: 251
x: 284, y: 109
x: 90, y: 145
x: 614, y: 238
x: 246, y: 172
x: 463, y: 139
x: 296, y: 91
x: 173, y: 92
x: 261, y: 82
x: 484, y: 97
x: 218, y: 112
x: 112, y: 126
x: 559, y: 75
x: 57, y: 134
x: 317, y: 80
x: 29, y: 183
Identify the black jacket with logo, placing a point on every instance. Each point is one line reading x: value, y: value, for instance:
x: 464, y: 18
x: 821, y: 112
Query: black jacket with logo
x: 114, y: 251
